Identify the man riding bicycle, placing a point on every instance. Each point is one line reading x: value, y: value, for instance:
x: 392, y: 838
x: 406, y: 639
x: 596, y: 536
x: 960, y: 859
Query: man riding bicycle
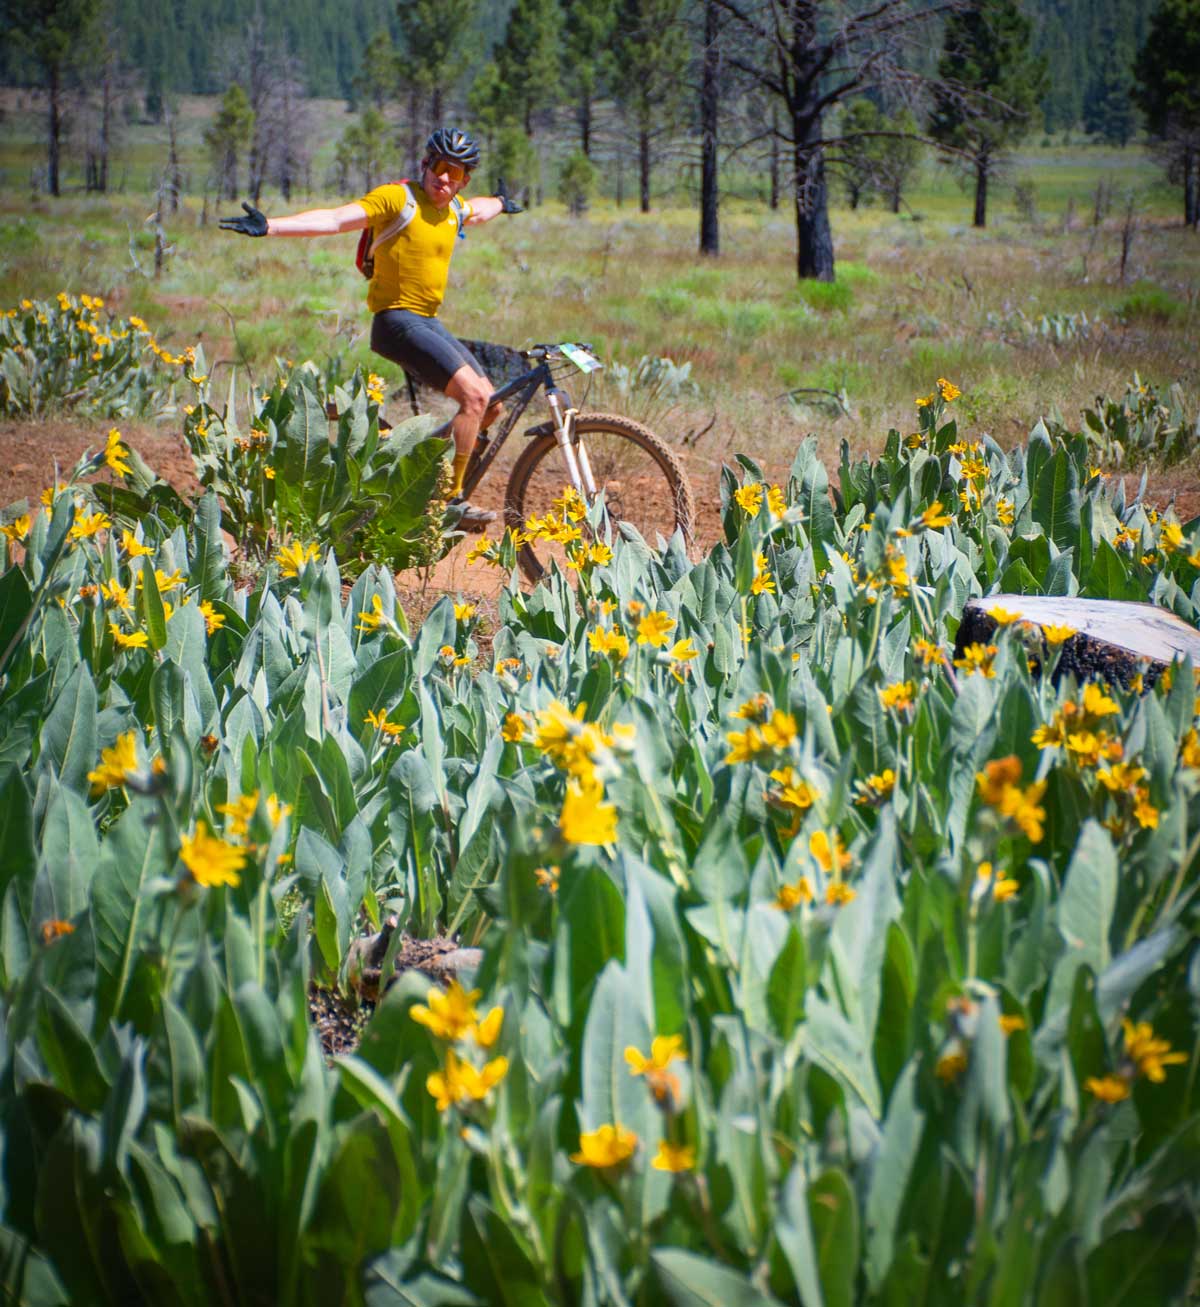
x: 419, y: 225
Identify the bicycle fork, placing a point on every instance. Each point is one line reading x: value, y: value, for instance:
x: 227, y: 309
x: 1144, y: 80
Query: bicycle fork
x: 574, y: 451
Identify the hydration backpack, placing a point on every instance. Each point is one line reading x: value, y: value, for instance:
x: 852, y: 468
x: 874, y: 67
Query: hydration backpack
x: 370, y: 240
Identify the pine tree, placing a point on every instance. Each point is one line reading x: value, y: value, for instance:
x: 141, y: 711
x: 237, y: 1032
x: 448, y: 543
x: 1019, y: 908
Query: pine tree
x: 989, y: 84
x: 529, y: 60
x: 378, y: 78
x: 435, y: 34
x: 651, y: 62
x: 1167, y: 73
x: 55, y: 34
x: 588, y: 27
x: 227, y: 137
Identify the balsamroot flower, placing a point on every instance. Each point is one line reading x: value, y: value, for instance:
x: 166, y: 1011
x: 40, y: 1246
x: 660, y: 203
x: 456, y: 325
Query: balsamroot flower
x: 210, y: 859
x: 608, y: 1146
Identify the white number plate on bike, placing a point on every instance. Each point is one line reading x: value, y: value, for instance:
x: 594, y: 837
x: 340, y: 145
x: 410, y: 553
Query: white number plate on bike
x: 584, y: 361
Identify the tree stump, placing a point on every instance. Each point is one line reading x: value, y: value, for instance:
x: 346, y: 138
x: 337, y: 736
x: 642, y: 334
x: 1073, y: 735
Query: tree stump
x: 1115, y: 641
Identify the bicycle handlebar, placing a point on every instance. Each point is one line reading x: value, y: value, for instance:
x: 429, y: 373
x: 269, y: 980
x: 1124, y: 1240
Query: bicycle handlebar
x: 553, y: 351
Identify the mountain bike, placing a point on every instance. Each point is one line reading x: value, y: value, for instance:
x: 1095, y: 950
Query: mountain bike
x: 641, y: 480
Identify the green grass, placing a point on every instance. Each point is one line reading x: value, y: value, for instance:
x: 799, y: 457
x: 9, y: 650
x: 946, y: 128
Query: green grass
x: 919, y: 295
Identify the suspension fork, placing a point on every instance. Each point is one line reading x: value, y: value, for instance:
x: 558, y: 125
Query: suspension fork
x: 574, y: 451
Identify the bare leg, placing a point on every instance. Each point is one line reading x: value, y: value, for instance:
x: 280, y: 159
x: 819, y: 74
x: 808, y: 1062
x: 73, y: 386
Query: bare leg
x: 471, y: 393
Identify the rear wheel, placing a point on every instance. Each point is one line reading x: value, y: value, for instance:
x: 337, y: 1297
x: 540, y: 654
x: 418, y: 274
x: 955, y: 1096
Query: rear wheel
x: 642, y: 482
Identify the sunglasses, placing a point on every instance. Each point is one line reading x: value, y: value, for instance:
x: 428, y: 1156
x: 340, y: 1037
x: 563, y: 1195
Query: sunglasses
x: 448, y: 168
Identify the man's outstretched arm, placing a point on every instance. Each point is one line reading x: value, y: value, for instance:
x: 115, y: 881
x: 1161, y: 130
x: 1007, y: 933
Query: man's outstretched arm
x: 488, y: 207
x: 312, y: 222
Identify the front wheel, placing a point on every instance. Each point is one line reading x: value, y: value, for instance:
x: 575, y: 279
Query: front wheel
x: 642, y: 482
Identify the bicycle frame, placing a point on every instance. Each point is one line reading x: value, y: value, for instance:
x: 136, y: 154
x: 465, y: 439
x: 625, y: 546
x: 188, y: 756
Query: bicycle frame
x: 490, y: 443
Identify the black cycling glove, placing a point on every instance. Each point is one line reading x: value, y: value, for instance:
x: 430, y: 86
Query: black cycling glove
x: 253, y: 224
x: 506, y: 205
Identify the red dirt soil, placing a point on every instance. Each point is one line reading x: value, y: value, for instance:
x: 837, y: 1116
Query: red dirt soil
x: 31, y: 451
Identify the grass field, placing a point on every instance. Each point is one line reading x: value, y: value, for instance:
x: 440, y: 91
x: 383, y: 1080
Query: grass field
x: 918, y: 295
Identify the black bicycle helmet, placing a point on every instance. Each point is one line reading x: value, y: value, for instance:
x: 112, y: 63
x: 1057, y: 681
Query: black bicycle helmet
x: 458, y: 147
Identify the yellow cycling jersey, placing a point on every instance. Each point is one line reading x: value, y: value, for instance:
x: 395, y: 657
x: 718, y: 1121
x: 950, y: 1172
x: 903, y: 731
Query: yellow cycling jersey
x: 411, y: 268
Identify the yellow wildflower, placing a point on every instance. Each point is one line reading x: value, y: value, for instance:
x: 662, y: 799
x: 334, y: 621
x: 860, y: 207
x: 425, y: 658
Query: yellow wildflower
x: 1149, y: 1053
x: 18, y: 528
x: 609, y: 1146
x: 935, y: 516
x: 88, y: 524
x: 464, y: 612
x: 654, y: 629
x: 116, y: 764
x: 134, y: 640
x: 749, y: 498
x: 133, y: 546
x: 293, y: 558
x: 213, y: 621
x: 514, y: 728
x: 614, y: 641
x: 977, y: 658
x: 838, y: 894
x: 448, y: 1014
x: 460, y: 1082
x: 116, y: 453
x: 210, y: 859
x: 1058, y: 633
x: 240, y: 812
x: 547, y: 878
x: 949, y: 391
x: 585, y: 818
x: 900, y: 695
x: 831, y: 856
x: 776, y: 501
x: 791, y: 896
x: 1010, y: 1023
x: 372, y: 620
x: 950, y: 1066
x: 674, y: 1157
x: 876, y: 789
x: 1005, y: 512
x: 1108, y: 1089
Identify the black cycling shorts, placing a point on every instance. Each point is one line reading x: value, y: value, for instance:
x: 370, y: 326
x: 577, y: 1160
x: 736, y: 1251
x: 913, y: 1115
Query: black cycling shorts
x: 421, y: 346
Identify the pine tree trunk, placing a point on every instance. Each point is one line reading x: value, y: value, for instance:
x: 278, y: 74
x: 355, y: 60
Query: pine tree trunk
x: 585, y: 123
x: 54, y: 127
x: 895, y: 197
x: 414, y: 128
x: 773, y: 197
x: 982, y: 169
x: 436, y: 105
x: 106, y: 115
x: 174, y: 176
x: 1191, y: 189
x: 644, y: 168
x: 710, y: 100
x: 814, y: 239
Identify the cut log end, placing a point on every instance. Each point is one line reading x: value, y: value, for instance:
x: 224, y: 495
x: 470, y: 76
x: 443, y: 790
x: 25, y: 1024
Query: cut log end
x: 1114, y: 641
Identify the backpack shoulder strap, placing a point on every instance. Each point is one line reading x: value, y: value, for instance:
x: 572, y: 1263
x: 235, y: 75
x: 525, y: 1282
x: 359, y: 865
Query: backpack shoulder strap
x: 460, y: 215
x: 407, y: 211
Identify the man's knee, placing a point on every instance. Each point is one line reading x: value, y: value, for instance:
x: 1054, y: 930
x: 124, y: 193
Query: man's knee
x: 471, y: 392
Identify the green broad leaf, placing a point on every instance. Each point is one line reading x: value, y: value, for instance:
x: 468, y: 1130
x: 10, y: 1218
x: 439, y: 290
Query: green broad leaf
x: 495, y: 1264
x: 891, y: 1168
x: 380, y: 687
x: 793, y: 1229
x: 68, y: 739
x: 184, y: 1058
x: 151, y: 604
x: 303, y: 457
x: 614, y: 1023
x: 808, y: 471
x: 1152, y: 1263
x: 1085, y: 1034
x: 1055, y: 499
x: 123, y: 1111
x: 132, y: 855
x: 590, y: 934
x: 30, y: 1278
x: 386, y: 1284
x: 16, y: 606
x: 207, y: 573
x: 1110, y: 577
x: 841, y: 1049
x: 69, y: 853
x: 1126, y: 973
x: 70, y: 1056
x: 689, y: 1280
x: 359, y: 1191
x: 1085, y: 911
x: 187, y: 648
x: 984, y: 1111
x: 331, y: 920
x: 787, y: 985
x: 18, y: 849
x: 833, y: 1211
